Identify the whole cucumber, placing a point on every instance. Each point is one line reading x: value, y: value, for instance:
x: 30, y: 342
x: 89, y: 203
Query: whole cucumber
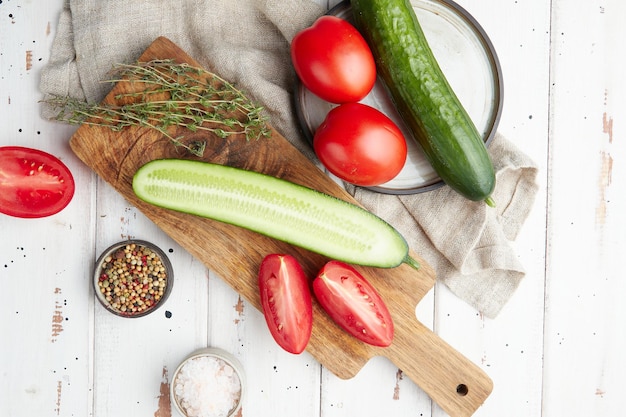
x: 423, y: 97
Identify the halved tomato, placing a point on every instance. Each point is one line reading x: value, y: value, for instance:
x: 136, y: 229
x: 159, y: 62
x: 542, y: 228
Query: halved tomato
x: 33, y: 183
x: 353, y: 303
x: 286, y: 301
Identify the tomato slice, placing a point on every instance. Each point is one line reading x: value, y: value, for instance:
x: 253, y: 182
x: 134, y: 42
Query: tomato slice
x: 353, y: 303
x: 33, y: 183
x: 286, y: 301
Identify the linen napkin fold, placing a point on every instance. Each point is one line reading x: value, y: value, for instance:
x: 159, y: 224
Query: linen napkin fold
x: 247, y: 42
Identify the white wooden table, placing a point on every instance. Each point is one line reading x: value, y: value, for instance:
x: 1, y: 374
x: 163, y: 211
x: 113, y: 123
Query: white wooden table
x: 557, y: 349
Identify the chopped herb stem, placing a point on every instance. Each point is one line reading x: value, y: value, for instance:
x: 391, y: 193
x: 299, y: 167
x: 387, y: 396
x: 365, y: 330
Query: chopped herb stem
x: 172, y: 94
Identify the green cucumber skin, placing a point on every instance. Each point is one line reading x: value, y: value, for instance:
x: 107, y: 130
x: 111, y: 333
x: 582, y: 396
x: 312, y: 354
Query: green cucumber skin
x: 423, y: 97
x: 273, y: 207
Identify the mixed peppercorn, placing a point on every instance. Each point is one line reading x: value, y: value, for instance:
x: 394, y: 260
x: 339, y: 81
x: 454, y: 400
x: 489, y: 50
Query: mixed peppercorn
x: 132, y: 279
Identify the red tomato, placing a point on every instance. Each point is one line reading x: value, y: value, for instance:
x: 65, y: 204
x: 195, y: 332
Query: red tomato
x: 333, y: 60
x: 353, y: 303
x: 360, y: 145
x: 33, y: 183
x: 286, y: 301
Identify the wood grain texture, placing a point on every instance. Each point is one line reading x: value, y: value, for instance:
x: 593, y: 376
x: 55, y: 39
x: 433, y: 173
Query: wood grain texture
x: 451, y: 380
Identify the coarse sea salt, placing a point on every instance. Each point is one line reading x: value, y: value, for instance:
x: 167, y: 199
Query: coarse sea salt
x: 207, y: 386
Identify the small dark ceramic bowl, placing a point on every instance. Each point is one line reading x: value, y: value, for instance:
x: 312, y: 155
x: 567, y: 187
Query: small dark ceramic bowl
x: 133, y: 278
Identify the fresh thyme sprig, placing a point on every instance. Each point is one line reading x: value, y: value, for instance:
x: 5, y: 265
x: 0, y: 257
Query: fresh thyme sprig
x: 170, y: 95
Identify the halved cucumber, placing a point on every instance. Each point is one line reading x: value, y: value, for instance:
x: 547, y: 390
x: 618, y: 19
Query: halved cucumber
x: 273, y: 207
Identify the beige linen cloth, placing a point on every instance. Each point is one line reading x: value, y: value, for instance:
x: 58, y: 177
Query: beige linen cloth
x: 247, y: 42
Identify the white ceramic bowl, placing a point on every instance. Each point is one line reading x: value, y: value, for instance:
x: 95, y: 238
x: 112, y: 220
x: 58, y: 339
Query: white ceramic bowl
x: 225, y: 362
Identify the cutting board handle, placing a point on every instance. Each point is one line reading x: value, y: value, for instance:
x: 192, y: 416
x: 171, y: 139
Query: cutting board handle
x: 456, y: 384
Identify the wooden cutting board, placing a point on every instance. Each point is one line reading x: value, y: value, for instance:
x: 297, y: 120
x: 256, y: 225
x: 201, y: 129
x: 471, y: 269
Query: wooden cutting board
x: 450, y: 379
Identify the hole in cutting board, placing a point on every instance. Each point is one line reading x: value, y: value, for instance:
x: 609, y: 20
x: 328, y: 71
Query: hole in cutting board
x: 462, y: 390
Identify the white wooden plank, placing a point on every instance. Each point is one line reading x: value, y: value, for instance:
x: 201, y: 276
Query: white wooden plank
x: 135, y: 358
x: 584, y: 314
x: 509, y: 347
x: 46, y: 354
x: 363, y: 394
x: 278, y: 382
x: 45, y: 365
x: 379, y: 388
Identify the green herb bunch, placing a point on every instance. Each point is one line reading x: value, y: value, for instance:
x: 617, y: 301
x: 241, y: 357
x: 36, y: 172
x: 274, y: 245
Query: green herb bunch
x: 171, y: 95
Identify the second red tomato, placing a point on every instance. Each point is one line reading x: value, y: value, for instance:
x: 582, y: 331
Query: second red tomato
x: 360, y: 145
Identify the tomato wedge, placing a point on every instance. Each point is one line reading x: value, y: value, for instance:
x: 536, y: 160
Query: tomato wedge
x: 353, y: 303
x: 286, y: 301
x: 33, y: 183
